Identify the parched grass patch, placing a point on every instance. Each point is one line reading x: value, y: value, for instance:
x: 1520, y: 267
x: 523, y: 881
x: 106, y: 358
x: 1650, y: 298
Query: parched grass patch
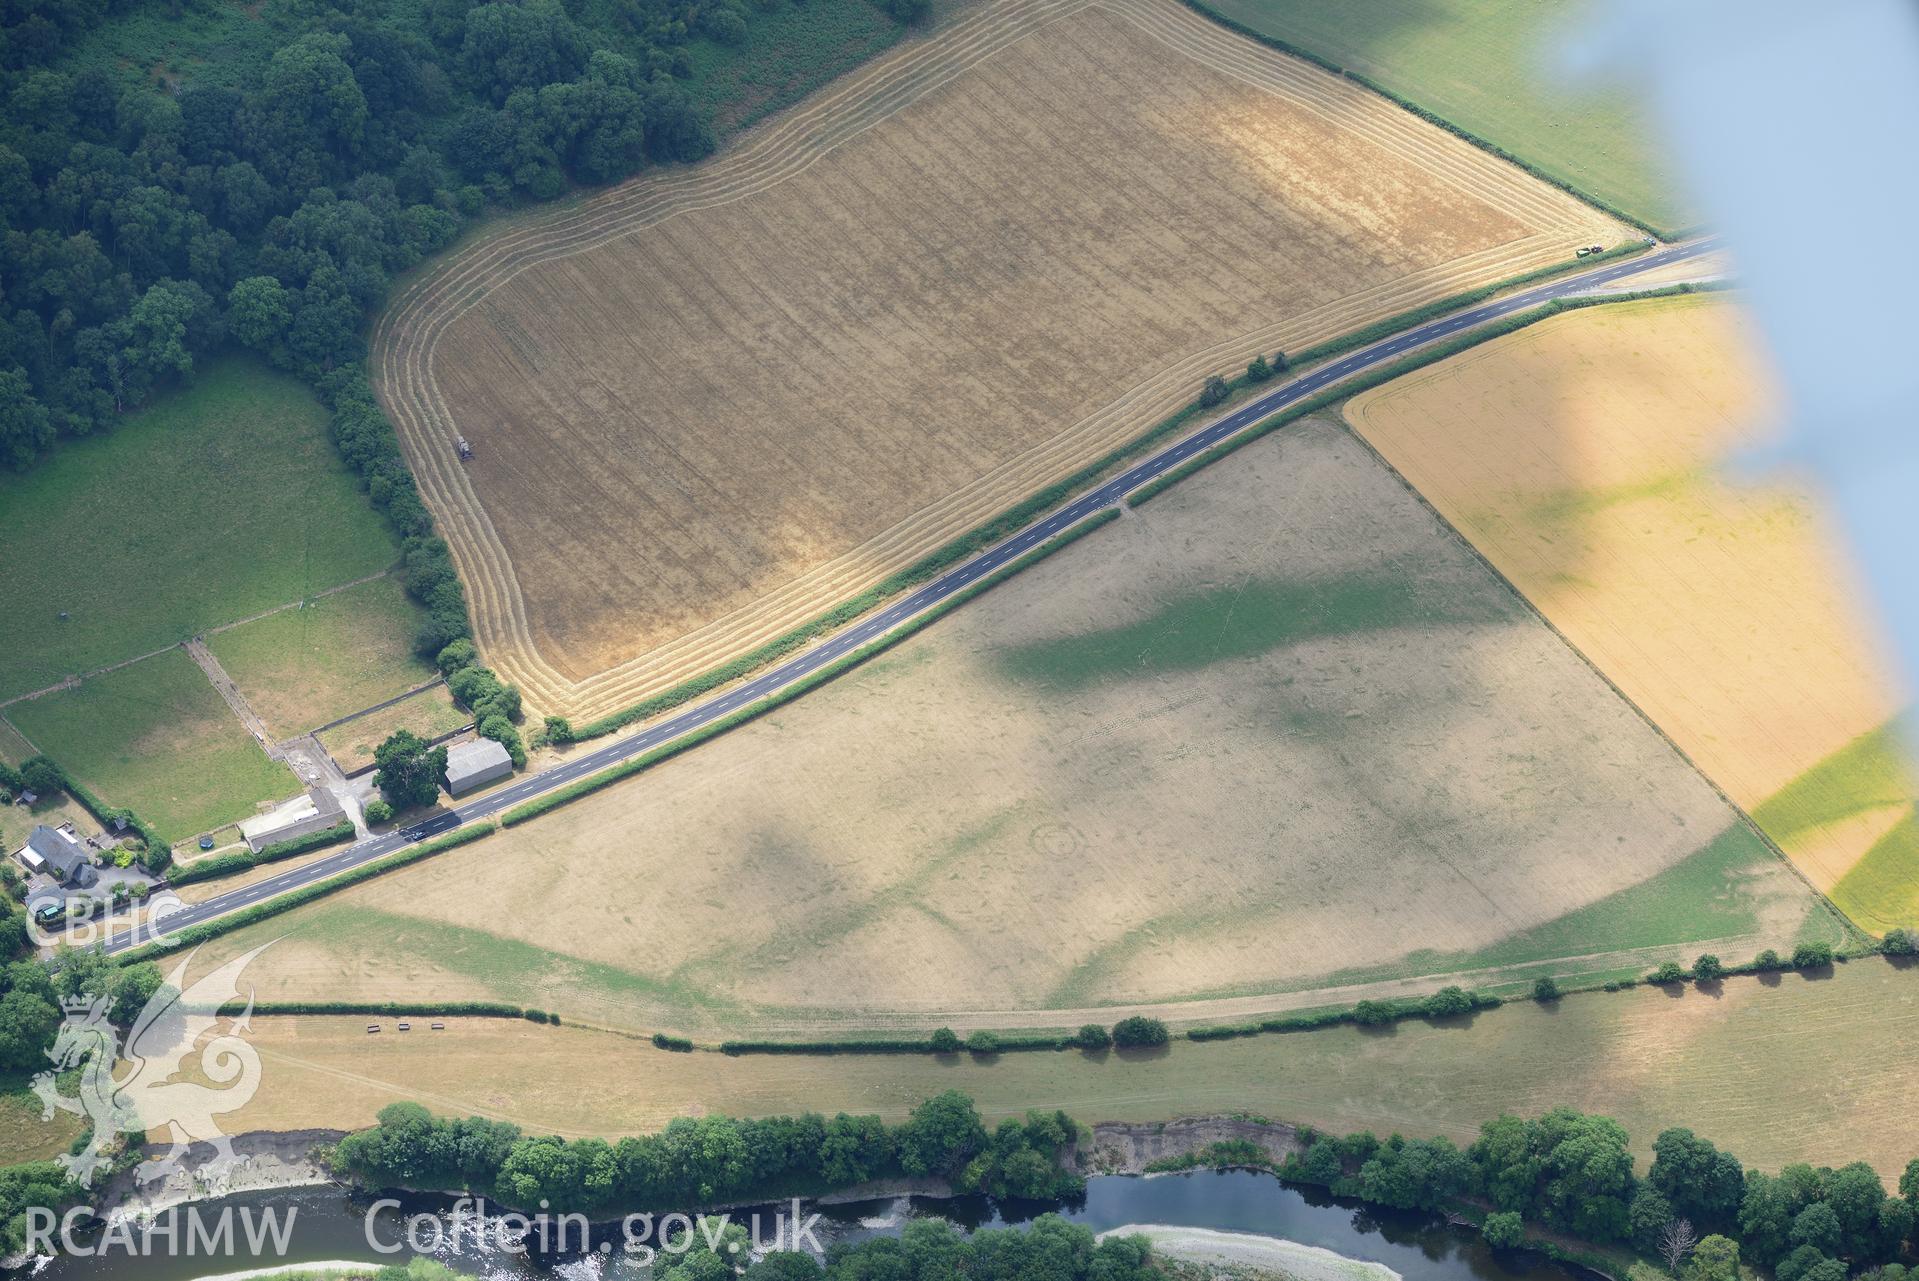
x: 1483, y: 65
x: 1718, y: 893
x: 302, y: 668
x: 429, y: 713
x: 221, y: 500
x: 155, y: 737
x: 1223, y: 623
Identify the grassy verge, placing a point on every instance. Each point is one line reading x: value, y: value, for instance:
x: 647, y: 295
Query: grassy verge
x: 1379, y: 329
x: 1024, y: 513
x: 1385, y: 374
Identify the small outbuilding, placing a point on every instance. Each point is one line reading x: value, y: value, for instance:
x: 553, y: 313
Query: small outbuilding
x: 475, y: 764
x: 318, y: 810
x: 56, y: 852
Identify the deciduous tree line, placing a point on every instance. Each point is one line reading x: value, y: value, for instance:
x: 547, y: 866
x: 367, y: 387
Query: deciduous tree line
x: 710, y: 1160
x: 1696, y: 1207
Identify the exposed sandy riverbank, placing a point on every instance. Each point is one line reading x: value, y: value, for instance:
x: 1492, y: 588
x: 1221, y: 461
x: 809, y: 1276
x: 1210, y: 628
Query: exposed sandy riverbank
x: 1242, y: 1250
x: 335, y: 1268
x: 268, y: 1161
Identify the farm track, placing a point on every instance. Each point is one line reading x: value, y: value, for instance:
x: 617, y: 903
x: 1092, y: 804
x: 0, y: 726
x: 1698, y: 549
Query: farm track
x: 406, y: 337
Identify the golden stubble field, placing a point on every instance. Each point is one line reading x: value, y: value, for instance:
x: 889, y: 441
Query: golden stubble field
x: 1579, y: 456
x: 1749, y: 1065
x: 711, y: 403
x: 1276, y: 731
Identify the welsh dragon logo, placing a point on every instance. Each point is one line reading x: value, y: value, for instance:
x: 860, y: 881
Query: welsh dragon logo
x: 171, y: 1033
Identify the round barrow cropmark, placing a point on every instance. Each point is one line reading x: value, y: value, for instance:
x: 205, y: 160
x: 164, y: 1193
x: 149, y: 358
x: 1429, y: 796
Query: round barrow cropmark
x: 1056, y: 840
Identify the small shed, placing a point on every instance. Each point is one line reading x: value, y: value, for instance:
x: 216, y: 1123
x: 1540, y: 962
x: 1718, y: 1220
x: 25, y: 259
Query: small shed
x: 475, y: 764
x: 318, y: 810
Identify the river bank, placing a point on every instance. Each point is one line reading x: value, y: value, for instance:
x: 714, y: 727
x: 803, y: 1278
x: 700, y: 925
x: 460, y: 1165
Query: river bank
x: 1240, y: 1252
x: 328, y: 1223
x: 270, y: 1160
x: 265, y: 1161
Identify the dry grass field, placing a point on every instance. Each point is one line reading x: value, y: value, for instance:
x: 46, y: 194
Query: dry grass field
x: 709, y: 404
x: 1577, y: 455
x: 1277, y: 733
x: 1750, y: 1066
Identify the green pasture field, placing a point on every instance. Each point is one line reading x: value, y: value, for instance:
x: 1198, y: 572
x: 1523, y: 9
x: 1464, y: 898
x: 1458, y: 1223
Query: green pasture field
x: 1482, y: 65
x: 221, y: 500
x: 156, y: 737
x: 303, y: 668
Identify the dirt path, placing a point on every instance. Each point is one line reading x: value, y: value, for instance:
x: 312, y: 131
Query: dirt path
x: 230, y: 694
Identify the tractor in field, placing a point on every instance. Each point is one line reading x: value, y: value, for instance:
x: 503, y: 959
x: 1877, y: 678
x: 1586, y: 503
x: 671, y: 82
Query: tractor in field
x: 463, y: 449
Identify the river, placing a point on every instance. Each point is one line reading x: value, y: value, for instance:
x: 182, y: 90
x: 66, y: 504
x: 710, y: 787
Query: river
x: 332, y: 1225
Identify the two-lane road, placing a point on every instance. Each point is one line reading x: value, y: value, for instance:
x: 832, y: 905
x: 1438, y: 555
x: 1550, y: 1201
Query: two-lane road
x: 957, y: 579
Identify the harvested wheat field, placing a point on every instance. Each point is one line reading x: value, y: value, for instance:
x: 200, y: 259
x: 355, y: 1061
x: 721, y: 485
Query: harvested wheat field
x: 710, y: 404
x: 1749, y: 1065
x: 1578, y: 454
x: 1277, y: 733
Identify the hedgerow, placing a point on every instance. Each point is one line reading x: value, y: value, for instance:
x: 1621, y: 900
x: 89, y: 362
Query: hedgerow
x: 646, y: 760
x: 195, y: 935
x: 1025, y: 512
x: 1386, y: 373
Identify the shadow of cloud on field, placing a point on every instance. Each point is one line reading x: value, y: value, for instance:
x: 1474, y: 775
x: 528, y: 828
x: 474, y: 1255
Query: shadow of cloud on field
x: 1225, y: 623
